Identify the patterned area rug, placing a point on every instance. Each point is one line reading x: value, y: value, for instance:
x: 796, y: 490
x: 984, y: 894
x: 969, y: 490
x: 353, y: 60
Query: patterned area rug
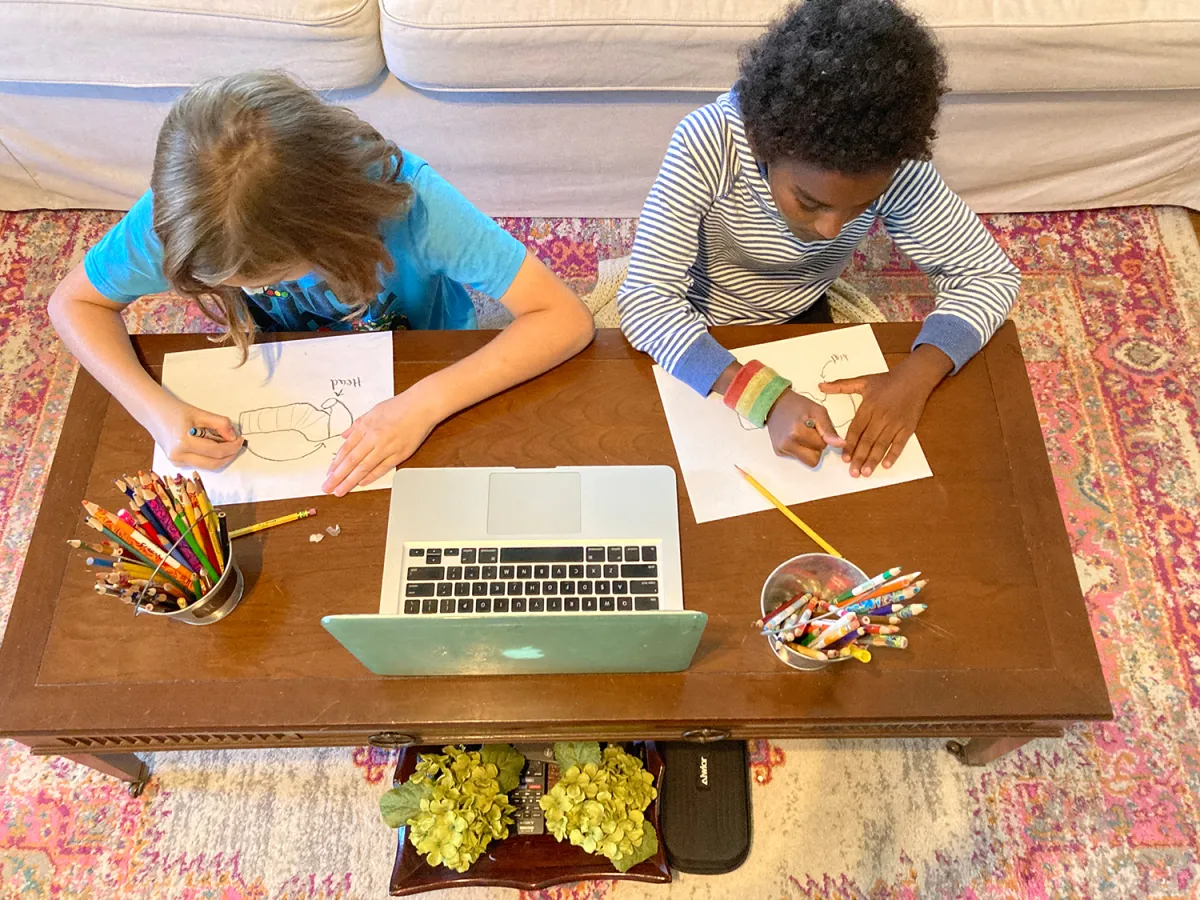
x: 1110, y: 320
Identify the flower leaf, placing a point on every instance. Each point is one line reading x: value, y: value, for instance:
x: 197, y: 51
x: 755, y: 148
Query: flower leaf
x: 647, y: 849
x: 400, y: 804
x: 508, y: 763
x: 578, y: 753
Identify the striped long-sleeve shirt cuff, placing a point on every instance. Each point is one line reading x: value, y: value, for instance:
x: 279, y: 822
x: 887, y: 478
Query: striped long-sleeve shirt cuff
x: 702, y: 364
x: 951, y: 334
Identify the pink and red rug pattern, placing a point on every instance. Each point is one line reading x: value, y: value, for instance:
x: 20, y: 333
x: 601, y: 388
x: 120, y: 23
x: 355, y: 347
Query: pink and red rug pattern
x: 1110, y: 321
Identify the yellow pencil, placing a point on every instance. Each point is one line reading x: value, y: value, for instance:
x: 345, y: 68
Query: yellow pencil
x: 270, y: 523
x: 828, y: 548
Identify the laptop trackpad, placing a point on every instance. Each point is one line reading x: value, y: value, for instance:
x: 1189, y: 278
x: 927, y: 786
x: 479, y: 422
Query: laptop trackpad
x: 534, y: 503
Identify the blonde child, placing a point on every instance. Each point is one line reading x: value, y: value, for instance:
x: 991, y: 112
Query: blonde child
x: 277, y: 211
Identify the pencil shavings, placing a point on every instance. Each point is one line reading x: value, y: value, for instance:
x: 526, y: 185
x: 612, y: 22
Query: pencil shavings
x: 333, y: 530
x: 316, y: 538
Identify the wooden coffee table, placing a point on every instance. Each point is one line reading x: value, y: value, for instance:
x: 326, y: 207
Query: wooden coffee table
x: 1011, y: 656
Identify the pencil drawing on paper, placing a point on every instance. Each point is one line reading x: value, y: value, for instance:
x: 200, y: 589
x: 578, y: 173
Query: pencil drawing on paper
x: 841, y: 407
x: 295, y: 430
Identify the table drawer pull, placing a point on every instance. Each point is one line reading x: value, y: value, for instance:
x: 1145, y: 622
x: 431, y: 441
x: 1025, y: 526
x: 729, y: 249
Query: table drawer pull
x: 390, y: 740
x: 706, y: 735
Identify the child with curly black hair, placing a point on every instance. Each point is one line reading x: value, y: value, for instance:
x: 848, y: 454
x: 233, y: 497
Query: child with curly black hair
x: 761, y: 200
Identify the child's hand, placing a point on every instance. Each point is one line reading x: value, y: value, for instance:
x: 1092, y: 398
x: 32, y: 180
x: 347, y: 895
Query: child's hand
x: 379, y: 441
x: 800, y: 428
x: 891, y: 408
x: 170, y: 429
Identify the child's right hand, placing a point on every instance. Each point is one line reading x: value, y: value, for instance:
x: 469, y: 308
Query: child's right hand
x: 170, y: 429
x: 801, y: 428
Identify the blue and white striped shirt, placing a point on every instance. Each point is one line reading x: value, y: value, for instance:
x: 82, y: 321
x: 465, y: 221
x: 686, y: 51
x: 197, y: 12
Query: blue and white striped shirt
x: 712, y: 249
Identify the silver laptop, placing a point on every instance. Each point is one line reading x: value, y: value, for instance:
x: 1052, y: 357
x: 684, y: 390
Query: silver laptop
x: 501, y: 570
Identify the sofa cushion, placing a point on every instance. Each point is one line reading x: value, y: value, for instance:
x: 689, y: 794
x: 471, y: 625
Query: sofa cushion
x: 993, y: 46
x: 168, y: 43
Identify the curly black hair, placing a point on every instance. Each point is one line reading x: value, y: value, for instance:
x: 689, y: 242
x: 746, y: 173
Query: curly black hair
x: 850, y: 86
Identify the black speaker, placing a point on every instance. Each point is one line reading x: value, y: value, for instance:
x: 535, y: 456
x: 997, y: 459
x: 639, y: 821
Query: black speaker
x: 704, y: 806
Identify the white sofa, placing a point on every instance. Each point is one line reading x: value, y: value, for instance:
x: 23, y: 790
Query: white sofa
x: 564, y: 107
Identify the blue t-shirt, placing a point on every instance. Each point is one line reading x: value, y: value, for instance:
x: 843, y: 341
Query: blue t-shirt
x: 439, y: 243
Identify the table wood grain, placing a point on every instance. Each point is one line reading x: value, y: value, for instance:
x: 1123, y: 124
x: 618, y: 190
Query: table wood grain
x: 1005, y: 648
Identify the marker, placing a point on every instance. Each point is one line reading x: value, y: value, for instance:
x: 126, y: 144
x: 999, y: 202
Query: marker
x: 862, y: 654
x: 869, y: 584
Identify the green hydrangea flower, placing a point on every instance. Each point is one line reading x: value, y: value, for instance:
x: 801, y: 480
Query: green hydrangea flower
x: 454, y: 804
x: 600, y: 807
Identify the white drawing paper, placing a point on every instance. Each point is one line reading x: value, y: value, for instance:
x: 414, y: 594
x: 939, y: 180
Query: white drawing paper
x: 710, y: 439
x: 291, y: 400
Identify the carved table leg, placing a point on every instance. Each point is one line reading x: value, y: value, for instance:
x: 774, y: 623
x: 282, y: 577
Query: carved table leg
x: 124, y: 766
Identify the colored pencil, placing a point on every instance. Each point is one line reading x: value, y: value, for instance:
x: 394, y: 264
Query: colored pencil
x: 131, y: 538
x: 271, y: 523
x: 901, y: 596
x: 207, y: 575
x: 205, y: 526
x: 783, y: 607
x: 807, y: 652
x: 796, y: 520
x: 155, y: 503
x: 100, y: 526
x: 210, y: 520
x: 104, y: 548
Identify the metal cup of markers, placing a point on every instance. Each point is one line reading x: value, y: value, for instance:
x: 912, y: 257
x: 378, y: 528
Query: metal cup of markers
x: 810, y: 573
x: 219, y: 602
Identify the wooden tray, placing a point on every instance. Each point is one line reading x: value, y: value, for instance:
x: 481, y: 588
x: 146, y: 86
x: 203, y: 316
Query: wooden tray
x: 525, y: 862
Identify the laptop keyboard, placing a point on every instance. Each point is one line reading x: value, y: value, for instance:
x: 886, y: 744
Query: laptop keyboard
x: 479, y: 578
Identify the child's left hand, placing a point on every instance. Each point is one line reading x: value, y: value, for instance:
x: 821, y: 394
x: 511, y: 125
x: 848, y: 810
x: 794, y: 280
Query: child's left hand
x: 891, y: 407
x: 379, y: 441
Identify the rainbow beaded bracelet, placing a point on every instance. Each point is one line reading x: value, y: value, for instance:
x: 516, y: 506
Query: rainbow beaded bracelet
x: 754, y: 391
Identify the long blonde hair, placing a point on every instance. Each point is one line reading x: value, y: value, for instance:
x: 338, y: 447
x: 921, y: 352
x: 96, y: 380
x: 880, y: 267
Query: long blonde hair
x: 254, y: 173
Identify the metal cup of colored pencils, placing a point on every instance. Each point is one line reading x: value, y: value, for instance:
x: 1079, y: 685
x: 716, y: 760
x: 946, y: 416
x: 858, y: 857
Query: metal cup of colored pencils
x: 818, y: 609
x: 167, y: 553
